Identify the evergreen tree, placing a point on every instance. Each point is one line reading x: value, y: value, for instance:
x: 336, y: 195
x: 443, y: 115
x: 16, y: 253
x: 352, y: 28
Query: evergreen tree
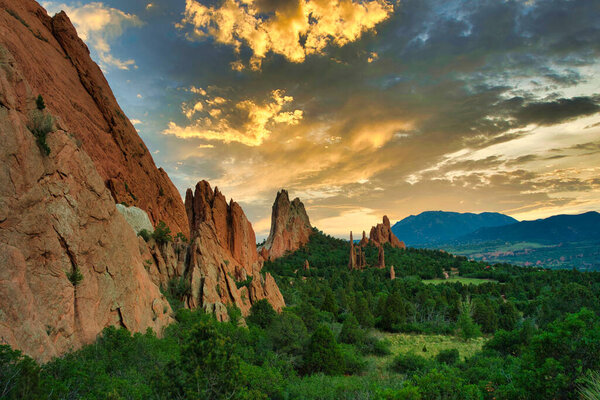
x: 323, y: 353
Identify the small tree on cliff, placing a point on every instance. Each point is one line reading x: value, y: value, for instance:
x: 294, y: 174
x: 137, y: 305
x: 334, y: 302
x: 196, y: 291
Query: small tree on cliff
x: 162, y: 233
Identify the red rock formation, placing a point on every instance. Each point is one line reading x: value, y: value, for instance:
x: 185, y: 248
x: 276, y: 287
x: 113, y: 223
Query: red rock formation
x: 223, y: 251
x: 306, y: 265
x: 381, y: 258
x: 382, y: 233
x: 352, y: 256
x: 57, y: 217
x: 364, y: 241
x: 57, y: 65
x: 290, y: 226
x: 392, y: 273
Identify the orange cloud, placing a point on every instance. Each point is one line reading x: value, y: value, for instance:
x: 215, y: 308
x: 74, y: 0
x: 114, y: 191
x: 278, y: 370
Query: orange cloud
x: 245, y: 122
x: 293, y: 29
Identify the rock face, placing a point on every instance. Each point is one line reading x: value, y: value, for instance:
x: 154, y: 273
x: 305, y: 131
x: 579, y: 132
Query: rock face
x: 57, y: 65
x: 356, y: 259
x: 136, y: 218
x: 364, y: 241
x: 290, y: 227
x: 223, y: 255
x: 382, y: 233
x: 392, y: 273
x: 381, y: 258
x: 59, y: 220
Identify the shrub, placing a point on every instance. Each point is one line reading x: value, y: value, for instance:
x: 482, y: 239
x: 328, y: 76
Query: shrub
x: 354, y: 363
x: 181, y: 237
x: 40, y: 124
x: 145, y: 234
x: 448, y: 356
x: 39, y: 102
x: 351, y: 332
x: 590, y: 389
x: 409, y: 363
x: 19, y: 375
x: 75, y: 276
x: 288, y: 334
x: 162, y: 233
x: 262, y: 313
x: 323, y: 353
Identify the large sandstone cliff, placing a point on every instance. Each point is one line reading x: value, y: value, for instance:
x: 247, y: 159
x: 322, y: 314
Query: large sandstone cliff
x: 290, y: 227
x: 69, y: 263
x: 222, y: 256
x: 57, y: 65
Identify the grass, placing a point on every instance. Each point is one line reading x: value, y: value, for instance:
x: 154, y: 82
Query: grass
x: 401, y: 343
x: 464, y: 281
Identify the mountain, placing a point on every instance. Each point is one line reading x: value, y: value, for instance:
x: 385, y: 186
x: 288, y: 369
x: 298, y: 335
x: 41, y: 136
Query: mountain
x: 431, y: 227
x: 555, y: 229
x: 71, y: 263
x: 290, y: 227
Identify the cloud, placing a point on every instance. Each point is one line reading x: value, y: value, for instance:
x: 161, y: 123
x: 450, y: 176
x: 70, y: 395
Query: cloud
x: 98, y: 24
x: 248, y: 121
x: 291, y: 28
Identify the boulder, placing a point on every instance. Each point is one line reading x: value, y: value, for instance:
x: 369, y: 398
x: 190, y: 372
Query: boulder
x: 136, y: 218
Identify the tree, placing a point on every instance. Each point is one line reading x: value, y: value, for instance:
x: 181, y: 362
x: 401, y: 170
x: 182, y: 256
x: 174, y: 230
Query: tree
x: 323, y: 354
x: 288, y: 334
x: 509, y: 316
x: 162, y: 233
x: 19, y: 375
x: 329, y: 303
x: 485, y: 315
x: 393, y: 312
x: 467, y: 328
x: 351, y: 332
x: 210, y: 365
x: 262, y: 313
x: 363, y: 313
x: 39, y: 102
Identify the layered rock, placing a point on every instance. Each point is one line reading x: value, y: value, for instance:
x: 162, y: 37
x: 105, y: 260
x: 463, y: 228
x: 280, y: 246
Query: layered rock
x: 57, y: 65
x: 290, y: 227
x: 223, y: 256
x: 382, y: 233
x: 70, y: 264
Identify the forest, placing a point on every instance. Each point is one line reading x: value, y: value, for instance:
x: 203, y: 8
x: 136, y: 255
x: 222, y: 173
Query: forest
x: 520, y: 333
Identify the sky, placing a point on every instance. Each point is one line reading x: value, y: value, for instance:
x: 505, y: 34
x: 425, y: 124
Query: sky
x: 362, y: 108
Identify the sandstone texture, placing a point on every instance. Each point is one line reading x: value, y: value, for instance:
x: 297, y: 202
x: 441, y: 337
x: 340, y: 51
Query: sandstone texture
x: 290, y: 227
x: 57, y: 65
x: 136, y: 218
x: 392, y: 273
x: 223, y: 256
x: 58, y: 219
x: 382, y: 233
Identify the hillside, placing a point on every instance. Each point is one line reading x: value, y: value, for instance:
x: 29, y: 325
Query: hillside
x: 432, y: 227
x: 552, y: 230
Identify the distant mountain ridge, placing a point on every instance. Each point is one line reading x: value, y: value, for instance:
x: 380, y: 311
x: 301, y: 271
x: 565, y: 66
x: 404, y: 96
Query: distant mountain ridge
x: 432, y: 227
x: 555, y: 229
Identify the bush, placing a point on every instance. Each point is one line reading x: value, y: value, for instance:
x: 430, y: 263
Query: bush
x: 288, y: 334
x: 181, y: 237
x: 354, y: 363
x: 40, y: 124
x: 409, y: 363
x: 448, y: 356
x: 19, y: 375
x: 351, y: 332
x: 162, y: 233
x: 39, y: 102
x: 145, y: 234
x: 75, y: 276
x: 262, y: 313
x: 323, y: 353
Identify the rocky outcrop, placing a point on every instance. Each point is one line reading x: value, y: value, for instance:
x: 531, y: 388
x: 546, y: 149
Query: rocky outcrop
x: 381, y: 258
x: 306, y: 265
x: 70, y: 264
x: 57, y: 65
x: 290, y: 227
x: 356, y: 259
x: 224, y: 266
x: 382, y: 234
x: 136, y: 218
x: 392, y: 273
x: 364, y: 241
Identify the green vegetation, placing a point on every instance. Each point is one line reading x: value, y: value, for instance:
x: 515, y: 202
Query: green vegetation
x: 75, y: 276
x: 161, y: 234
x: 17, y: 17
x: 39, y: 102
x: 464, y: 281
x: 525, y: 333
x: 40, y: 124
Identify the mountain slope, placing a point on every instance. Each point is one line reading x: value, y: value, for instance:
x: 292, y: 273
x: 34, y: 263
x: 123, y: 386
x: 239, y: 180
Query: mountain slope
x: 556, y: 229
x: 440, y: 226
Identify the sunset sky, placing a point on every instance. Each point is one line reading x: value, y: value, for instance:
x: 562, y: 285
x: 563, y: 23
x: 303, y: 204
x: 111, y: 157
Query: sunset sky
x: 362, y: 108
